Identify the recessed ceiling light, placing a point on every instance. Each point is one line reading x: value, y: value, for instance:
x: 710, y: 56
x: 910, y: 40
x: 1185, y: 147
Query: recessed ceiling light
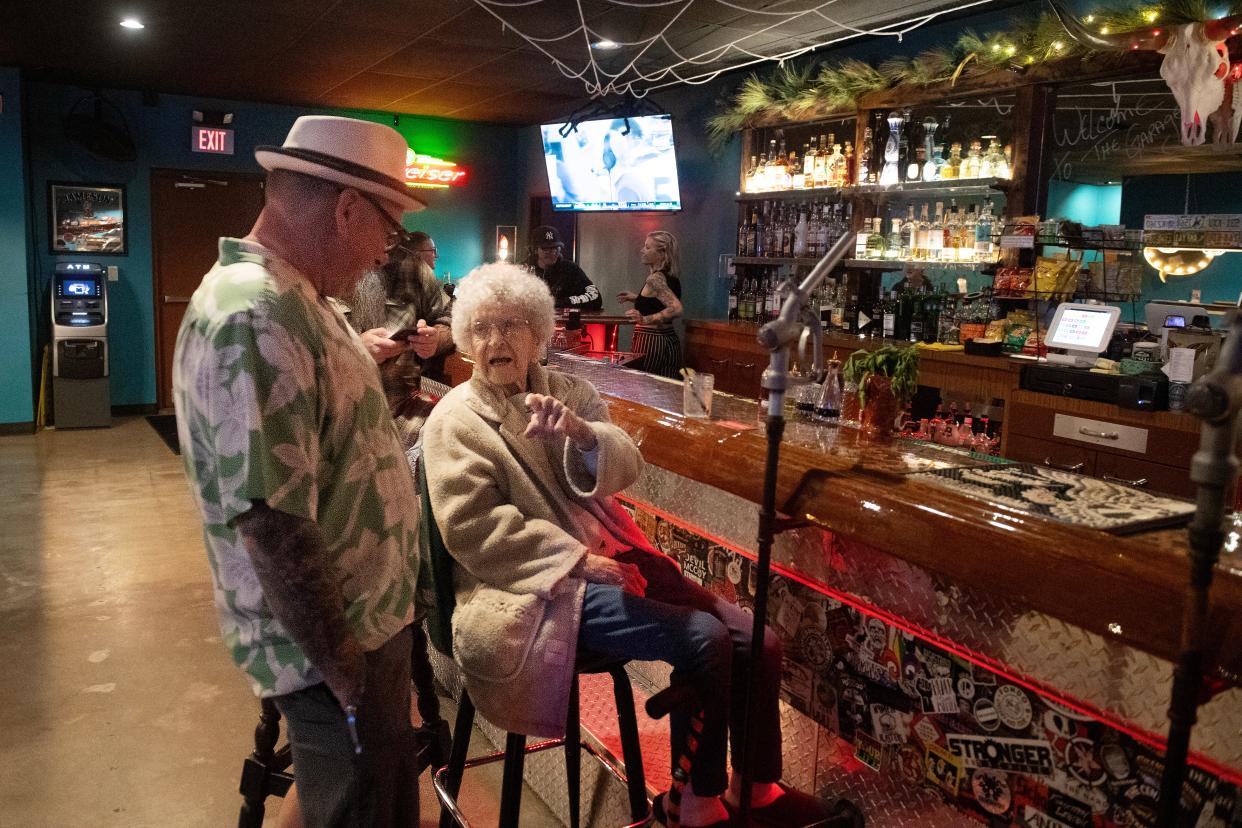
x: 132, y: 23
x: 605, y: 45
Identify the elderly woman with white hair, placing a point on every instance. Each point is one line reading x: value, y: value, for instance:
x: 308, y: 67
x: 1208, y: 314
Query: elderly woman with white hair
x: 522, y: 465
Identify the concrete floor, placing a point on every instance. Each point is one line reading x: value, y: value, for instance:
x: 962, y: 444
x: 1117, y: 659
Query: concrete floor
x: 120, y: 705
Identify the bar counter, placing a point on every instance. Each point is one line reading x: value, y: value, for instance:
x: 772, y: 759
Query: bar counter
x: 1082, y: 620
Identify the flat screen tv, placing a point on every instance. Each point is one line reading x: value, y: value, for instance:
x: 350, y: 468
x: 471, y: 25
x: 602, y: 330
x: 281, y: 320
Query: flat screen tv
x: 612, y: 165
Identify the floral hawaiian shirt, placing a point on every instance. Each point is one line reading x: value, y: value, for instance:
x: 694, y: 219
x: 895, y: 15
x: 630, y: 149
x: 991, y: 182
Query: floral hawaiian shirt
x: 278, y: 401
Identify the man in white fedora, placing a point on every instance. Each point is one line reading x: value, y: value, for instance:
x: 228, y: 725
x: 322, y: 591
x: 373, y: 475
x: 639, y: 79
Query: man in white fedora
x: 309, y: 510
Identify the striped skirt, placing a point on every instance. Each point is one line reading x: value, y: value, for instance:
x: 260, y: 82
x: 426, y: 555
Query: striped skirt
x: 660, y: 350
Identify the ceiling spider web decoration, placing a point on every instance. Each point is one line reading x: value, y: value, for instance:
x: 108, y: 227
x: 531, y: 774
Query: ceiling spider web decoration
x: 687, y: 69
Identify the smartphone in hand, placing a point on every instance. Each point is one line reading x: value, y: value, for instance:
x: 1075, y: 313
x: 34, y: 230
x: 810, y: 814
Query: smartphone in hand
x: 403, y: 334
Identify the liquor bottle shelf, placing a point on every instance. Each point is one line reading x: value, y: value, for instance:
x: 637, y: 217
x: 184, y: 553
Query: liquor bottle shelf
x: 774, y: 260
x: 965, y: 187
x: 894, y: 264
x: 860, y: 264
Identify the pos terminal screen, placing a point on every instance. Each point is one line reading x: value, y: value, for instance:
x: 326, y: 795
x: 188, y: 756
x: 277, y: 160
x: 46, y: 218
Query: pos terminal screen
x: 1081, y: 329
x: 79, y: 287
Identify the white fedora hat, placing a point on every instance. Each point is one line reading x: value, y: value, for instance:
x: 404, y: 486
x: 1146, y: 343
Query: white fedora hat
x: 367, y: 156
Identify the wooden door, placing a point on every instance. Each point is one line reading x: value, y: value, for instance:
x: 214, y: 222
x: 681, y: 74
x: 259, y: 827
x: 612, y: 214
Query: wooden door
x: 189, y: 214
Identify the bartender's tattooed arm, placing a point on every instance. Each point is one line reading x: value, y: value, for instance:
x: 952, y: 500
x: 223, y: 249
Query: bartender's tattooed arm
x: 291, y: 563
x: 660, y: 290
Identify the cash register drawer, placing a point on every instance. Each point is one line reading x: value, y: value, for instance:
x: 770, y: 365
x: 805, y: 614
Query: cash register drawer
x: 1100, y: 433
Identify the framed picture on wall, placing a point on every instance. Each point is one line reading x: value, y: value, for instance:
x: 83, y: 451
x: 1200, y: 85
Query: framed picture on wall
x: 87, y: 218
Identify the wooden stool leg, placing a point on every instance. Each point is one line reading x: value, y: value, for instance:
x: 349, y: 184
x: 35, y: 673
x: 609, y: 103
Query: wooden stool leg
x: 573, y: 756
x: 511, y: 784
x: 256, y: 770
x: 434, y: 730
x: 631, y: 747
x: 457, y: 756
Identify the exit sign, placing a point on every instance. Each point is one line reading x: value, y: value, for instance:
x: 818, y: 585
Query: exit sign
x: 211, y: 139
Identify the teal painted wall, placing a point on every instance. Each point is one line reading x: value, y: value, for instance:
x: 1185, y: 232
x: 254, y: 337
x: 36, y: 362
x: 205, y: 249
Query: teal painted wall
x: 16, y: 367
x: 462, y: 220
x: 1084, y: 203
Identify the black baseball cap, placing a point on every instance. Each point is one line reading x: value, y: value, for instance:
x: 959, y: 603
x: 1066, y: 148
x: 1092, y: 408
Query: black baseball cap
x: 545, y: 236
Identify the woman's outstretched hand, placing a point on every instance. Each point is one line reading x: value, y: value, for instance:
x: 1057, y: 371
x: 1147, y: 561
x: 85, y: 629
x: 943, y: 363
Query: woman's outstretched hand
x: 550, y: 418
x: 626, y: 296
x: 596, y: 569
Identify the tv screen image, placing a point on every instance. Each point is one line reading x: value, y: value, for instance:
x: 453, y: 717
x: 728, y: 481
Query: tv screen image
x: 613, y: 164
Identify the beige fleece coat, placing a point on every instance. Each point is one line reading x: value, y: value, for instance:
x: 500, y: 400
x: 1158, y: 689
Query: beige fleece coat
x: 517, y: 515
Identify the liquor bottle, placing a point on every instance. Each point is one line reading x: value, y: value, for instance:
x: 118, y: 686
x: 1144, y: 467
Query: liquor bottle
x: 864, y: 158
x: 999, y: 164
x: 906, y: 240
x: 914, y: 166
x: 836, y: 167
x: 850, y: 314
x: 916, y: 319
x: 930, y: 125
x: 778, y: 171
x: 743, y: 302
x: 952, y: 225
x: 877, y: 242
x: 893, y: 244
x: 970, y: 167
x: 828, y: 406
x: 759, y: 247
x: 752, y: 227
x: 838, y: 308
x: 924, y: 231
x: 953, y: 167
x: 983, y: 233
x: 892, y: 150
x: 743, y: 229
x: 985, y: 160
x: 748, y: 181
x: 827, y: 292
x: 774, y: 298
x: 905, y: 305
x: 809, y: 154
x: 797, y: 178
x: 801, y: 232
x: 935, y: 235
x: 903, y: 146
x: 821, y: 162
x: 733, y: 300
x: 966, y: 236
x: 848, y: 177
x: 771, y: 238
x: 888, y: 315
x: 788, y: 225
x: 861, y: 240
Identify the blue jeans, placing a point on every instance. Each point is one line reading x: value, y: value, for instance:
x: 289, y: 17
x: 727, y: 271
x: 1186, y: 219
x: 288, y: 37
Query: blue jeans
x: 706, y: 639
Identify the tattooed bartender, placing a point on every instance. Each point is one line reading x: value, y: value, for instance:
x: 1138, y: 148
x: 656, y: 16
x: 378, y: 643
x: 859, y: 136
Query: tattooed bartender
x: 308, y: 506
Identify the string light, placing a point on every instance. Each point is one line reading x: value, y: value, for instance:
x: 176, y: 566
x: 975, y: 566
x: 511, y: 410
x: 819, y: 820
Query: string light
x: 633, y: 81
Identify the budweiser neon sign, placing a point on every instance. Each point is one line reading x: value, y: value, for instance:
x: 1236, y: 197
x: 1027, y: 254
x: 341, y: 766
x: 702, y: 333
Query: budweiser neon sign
x: 427, y: 171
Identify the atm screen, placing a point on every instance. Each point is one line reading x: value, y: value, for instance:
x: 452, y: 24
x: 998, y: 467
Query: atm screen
x: 79, y: 287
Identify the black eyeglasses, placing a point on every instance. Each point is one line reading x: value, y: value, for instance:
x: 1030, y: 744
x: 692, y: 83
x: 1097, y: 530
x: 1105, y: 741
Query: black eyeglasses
x: 397, y: 235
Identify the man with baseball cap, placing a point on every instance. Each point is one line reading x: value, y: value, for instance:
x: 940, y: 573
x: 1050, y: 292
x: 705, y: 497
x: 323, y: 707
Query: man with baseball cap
x: 569, y: 285
x: 309, y: 510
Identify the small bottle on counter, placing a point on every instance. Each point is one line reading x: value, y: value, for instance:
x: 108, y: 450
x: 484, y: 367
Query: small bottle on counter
x: 828, y: 406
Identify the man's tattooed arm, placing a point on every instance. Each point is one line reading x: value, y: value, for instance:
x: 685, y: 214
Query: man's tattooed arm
x: 291, y: 563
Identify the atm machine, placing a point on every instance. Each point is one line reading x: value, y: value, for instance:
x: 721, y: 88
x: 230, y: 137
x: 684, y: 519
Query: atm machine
x: 80, y: 392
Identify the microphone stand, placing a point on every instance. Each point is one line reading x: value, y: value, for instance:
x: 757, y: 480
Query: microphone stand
x: 776, y: 336
x: 1216, y: 399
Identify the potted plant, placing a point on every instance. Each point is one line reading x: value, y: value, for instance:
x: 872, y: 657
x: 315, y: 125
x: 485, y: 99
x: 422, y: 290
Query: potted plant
x: 886, y: 379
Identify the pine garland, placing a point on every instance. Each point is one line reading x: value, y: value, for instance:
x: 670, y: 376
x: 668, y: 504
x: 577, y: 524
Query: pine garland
x: 792, y: 91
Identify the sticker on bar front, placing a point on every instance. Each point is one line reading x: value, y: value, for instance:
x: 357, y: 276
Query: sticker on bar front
x: 943, y: 695
x: 1033, y: 756
x: 868, y: 750
x: 944, y: 770
x: 991, y: 790
x: 1032, y: 817
x: 1013, y: 707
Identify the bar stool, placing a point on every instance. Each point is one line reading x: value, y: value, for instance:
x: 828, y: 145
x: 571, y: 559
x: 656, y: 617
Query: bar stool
x: 448, y: 779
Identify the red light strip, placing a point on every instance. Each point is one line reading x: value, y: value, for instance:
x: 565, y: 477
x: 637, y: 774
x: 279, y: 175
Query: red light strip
x: 1150, y: 739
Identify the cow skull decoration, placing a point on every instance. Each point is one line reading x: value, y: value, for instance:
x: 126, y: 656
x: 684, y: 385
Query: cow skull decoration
x: 1195, y: 66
